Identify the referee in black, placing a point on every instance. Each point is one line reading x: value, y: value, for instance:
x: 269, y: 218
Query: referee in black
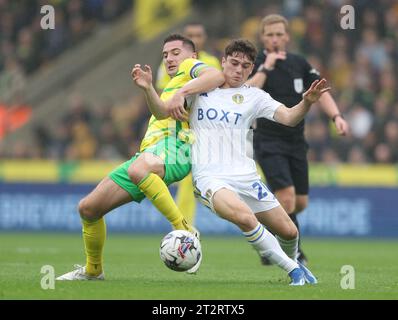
x: 281, y: 151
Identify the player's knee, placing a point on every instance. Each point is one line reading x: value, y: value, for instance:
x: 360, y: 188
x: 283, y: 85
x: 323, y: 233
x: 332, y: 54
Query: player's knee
x: 136, y: 174
x: 141, y: 168
x: 138, y: 171
x: 288, y: 231
x: 301, y: 204
x: 87, y: 210
x: 291, y: 232
x: 287, y: 199
x: 288, y: 203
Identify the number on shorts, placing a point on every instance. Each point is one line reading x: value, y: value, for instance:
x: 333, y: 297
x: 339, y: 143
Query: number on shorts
x: 259, y: 186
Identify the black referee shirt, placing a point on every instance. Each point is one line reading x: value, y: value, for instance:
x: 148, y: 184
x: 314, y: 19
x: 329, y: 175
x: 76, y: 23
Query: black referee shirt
x: 286, y: 83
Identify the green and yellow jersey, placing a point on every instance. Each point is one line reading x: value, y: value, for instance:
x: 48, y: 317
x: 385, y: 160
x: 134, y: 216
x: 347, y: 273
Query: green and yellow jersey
x: 163, y: 78
x: 158, y: 129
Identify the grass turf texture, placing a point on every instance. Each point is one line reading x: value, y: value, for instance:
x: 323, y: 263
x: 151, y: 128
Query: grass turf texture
x: 230, y: 269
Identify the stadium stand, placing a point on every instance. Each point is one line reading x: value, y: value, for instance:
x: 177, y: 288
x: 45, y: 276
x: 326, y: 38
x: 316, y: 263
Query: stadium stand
x: 361, y: 65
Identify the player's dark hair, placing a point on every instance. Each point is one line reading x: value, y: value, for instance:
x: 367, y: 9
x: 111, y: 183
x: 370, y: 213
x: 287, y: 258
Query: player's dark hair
x: 178, y: 37
x: 241, y: 46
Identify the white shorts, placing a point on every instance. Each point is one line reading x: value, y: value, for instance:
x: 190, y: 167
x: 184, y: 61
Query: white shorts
x: 251, y: 190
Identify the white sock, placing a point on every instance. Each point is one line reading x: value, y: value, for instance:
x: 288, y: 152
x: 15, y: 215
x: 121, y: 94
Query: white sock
x: 289, y: 246
x: 267, y: 246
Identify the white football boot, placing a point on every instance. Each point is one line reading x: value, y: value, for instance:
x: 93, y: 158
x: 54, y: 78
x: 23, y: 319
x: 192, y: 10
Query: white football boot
x: 80, y: 274
x: 195, y: 268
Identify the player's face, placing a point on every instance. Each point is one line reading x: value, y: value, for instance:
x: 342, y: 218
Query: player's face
x: 175, y: 52
x: 275, y: 37
x: 237, y: 69
x: 197, y: 34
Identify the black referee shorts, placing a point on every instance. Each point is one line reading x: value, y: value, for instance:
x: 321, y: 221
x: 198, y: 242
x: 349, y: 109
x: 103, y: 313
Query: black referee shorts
x: 284, y: 163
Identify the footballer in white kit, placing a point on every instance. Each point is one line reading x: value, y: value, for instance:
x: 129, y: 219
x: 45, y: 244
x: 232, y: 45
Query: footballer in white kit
x: 225, y: 177
x: 220, y: 121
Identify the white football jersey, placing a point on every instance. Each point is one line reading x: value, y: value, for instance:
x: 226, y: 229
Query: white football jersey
x: 221, y: 121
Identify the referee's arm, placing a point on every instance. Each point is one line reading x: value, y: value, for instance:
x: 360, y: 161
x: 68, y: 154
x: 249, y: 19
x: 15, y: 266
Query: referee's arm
x: 329, y: 106
x: 262, y: 69
x: 259, y: 78
x: 326, y: 101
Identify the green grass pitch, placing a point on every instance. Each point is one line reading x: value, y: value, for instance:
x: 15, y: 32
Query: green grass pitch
x: 230, y: 269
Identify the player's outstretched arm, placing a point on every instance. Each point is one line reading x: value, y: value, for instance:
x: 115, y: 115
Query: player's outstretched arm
x: 292, y: 116
x: 143, y: 79
x: 207, y: 80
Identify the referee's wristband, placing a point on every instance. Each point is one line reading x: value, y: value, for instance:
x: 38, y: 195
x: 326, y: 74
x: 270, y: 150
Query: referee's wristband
x: 337, y: 115
x: 264, y: 70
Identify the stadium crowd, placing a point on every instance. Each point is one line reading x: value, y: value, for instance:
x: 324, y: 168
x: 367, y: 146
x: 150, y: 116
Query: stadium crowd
x: 25, y: 47
x: 361, y: 65
x: 24, y: 43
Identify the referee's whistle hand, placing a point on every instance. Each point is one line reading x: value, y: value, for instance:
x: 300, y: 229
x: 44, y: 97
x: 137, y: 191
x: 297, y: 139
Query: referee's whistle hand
x: 272, y: 57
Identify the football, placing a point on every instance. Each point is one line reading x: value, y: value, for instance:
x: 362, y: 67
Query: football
x: 180, y: 250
